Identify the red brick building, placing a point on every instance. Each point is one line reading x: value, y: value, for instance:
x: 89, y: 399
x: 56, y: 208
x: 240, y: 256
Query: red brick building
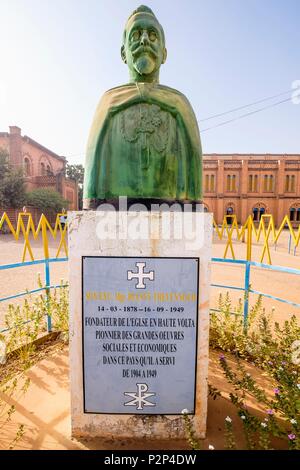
x: 245, y: 184
x: 42, y: 167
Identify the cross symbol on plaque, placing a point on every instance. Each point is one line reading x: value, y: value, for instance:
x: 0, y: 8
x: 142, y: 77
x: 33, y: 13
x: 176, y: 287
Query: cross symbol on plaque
x: 140, y: 276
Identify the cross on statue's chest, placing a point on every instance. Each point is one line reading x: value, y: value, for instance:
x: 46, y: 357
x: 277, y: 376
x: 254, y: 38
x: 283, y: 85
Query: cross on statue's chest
x: 140, y: 276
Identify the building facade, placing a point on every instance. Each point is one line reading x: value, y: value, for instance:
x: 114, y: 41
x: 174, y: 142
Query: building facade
x: 42, y: 167
x: 252, y: 185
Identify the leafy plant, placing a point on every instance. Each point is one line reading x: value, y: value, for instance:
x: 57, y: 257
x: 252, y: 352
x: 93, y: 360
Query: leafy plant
x: 12, y: 183
x: 24, y: 325
x: 47, y: 200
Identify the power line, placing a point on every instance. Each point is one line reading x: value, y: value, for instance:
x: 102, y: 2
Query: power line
x: 245, y: 115
x: 245, y: 106
x: 227, y: 112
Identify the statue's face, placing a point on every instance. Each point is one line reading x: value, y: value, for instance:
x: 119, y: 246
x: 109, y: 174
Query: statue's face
x: 144, y: 50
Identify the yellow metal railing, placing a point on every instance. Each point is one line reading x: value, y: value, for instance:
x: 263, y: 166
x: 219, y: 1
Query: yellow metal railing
x: 229, y: 231
x: 249, y: 233
x: 26, y: 228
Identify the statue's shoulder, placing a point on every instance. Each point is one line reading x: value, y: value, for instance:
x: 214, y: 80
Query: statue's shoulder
x: 117, y: 95
x: 117, y: 89
x: 172, y: 91
x: 175, y: 93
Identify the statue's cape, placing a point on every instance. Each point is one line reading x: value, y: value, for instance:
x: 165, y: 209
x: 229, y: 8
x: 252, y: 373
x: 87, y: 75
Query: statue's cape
x: 120, y: 98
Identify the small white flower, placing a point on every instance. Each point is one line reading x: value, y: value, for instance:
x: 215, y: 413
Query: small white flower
x: 266, y: 420
x: 264, y: 425
x: 248, y: 375
x: 228, y: 419
x: 210, y: 447
x: 243, y: 417
x: 298, y: 385
x: 293, y: 421
x: 185, y: 411
x: 280, y: 368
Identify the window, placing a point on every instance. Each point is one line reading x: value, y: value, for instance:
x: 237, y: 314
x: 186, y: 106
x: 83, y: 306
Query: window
x: 290, y: 183
x: 209, y: 183
x: 206, y: 183
x: 228, y: 184
x: 253, y: 183
x: 295, y: 214
x: 268, y: 183
x: 27, y: 166
x: 43, y: 170
x: 257, y: 213
x: 49, y: 172
x: 231, y: 183
x: 229, y: 215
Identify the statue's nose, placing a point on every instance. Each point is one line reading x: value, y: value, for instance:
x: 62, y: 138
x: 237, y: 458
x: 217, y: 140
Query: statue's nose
x: 144, y: 38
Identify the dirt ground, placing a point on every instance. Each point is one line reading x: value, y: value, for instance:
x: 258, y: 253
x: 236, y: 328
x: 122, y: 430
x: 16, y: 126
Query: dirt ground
x: 45, y: 411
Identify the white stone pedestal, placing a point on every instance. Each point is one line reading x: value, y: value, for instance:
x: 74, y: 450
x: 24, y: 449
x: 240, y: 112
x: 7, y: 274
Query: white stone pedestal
x: 93, y: 234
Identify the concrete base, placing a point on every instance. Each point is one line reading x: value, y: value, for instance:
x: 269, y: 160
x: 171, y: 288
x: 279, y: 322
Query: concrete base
x: 115, y: 234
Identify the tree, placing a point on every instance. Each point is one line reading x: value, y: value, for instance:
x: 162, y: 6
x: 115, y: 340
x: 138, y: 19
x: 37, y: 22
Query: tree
x: 47, y: 200
x: 76, y: 172
x: 12, y: 184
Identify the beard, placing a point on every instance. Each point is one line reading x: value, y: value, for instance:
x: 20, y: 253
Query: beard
x: 144, y: 64
x: 144, y: 60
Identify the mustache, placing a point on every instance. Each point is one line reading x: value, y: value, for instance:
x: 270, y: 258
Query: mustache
x: 142, y: 49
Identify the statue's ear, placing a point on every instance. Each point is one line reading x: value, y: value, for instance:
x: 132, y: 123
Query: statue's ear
x: 123, y: 54
x: 165, y: 54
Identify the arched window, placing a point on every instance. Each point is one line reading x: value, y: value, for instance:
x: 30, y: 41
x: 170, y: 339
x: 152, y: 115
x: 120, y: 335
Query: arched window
x: 255, y: 214
x: 292, y: 214
x: 48, y: 170
x: 43, y: 169
x: 295, y: 214
x: 229, y: 215
x: 27, y: 166
x: 258, y: 212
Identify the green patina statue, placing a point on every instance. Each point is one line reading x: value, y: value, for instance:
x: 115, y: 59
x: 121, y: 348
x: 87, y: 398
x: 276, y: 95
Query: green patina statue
x: 144, y: 142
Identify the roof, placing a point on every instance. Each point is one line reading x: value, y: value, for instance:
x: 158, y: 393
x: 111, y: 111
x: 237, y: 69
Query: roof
x: 44, y: 149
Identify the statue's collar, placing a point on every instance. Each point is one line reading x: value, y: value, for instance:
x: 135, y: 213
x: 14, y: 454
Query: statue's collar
x: 144, y: 88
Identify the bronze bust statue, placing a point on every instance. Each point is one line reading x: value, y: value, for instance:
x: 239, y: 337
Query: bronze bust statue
x: 144, y: 142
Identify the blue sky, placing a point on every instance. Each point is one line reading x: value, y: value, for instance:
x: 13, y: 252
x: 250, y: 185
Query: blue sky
x: 59, y: 56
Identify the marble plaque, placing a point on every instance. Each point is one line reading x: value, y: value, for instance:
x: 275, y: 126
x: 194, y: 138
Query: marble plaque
x: 139, y: 334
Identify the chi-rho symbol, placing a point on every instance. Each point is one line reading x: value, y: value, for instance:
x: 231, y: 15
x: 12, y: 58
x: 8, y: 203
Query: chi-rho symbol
x: 139, y: 398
